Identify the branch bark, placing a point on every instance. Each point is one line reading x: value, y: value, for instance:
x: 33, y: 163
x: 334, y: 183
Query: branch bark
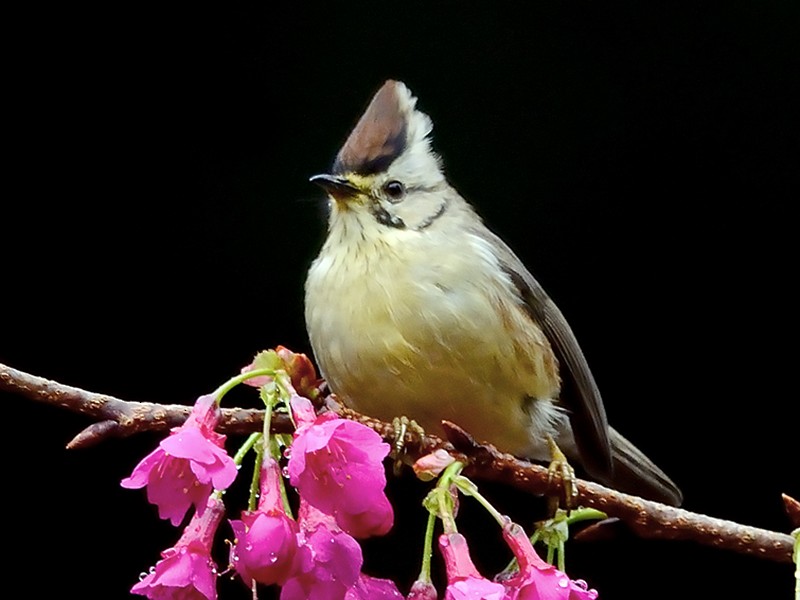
x: 121, y: 418
x: 648, y: 519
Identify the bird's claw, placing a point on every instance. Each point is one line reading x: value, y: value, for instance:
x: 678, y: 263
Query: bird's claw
x: 559, y: 465
x: 402, y: 426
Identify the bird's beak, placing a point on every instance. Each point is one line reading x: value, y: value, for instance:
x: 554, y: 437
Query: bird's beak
x: 338, y: 187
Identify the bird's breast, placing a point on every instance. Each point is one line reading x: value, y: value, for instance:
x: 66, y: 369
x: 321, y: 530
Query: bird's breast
x: 430, y: 334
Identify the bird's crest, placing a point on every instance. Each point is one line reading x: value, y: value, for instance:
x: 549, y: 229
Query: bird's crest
x: 389, y: 126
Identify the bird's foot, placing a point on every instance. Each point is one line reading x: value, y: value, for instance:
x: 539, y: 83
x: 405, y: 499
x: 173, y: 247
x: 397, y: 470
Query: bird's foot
x: 559, y: 465
x: 402, y: 426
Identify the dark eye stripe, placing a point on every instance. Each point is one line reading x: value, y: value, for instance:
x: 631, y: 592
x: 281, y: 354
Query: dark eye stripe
x: 427, y: 222
x: 385, y: 218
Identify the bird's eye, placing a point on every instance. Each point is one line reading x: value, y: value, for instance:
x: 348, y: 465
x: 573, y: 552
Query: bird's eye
x: 394, y: 190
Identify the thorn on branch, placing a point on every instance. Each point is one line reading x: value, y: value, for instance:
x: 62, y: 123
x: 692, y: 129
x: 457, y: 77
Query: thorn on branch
x: 792, y: 507
x: 607, y: 529
x: 93, y: 434
x: 466, y: 444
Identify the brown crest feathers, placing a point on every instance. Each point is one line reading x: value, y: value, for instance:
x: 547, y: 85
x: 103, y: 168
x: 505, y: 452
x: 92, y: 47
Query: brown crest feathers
x: 379, y: 137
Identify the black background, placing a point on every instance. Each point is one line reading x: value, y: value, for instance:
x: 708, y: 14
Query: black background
x: 157, y: 225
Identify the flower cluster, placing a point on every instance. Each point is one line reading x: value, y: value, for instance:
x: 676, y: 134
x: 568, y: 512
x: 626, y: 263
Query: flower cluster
x: 336, y: 467
x: 535, y: 580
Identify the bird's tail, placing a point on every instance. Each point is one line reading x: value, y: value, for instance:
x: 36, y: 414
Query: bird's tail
x: 634, y: 473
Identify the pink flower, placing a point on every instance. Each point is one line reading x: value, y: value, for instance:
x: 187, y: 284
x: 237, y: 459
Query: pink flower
x: 329, y: 560
x: 463, y: 580
x: 431, y: 465
x: 372, y: 588
x: 186, y: 570
x: 266, y: 539
x: 537, y: 579
x: 187, y: 465
x: 337, y: 466
x: 422, y: 590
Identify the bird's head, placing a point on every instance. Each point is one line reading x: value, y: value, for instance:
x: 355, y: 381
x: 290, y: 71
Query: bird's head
x: 386, y: 175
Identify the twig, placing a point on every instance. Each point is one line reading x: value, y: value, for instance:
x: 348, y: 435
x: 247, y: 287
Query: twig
x: 648, y: 519
x: 121, y: 418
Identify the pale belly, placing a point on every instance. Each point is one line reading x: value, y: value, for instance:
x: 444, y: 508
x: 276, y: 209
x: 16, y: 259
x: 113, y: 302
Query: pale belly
x: 392, y: 343
x: 430, y: 391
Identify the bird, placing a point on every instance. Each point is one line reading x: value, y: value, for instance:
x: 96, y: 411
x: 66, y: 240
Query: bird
x: 414, y: 307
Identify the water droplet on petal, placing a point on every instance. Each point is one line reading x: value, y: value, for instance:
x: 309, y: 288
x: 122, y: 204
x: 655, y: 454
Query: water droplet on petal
x: 563, y: 582
x: 142, y: 575
x: 285, y: 472
x: 581, y: 584
x: 273, y: 557
x: 287, y: 453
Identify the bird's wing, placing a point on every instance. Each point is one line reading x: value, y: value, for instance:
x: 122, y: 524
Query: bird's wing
x: 579, y: 393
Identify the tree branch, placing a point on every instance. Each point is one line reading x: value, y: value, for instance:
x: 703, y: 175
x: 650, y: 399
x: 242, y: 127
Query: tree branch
x: 648, y: 519
x: 121, y: 418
